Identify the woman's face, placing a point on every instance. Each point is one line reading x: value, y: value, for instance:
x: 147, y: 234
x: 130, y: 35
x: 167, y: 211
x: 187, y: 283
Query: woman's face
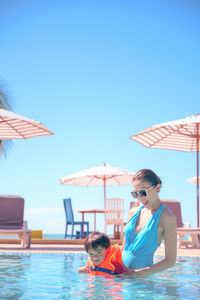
x: 146, y: 193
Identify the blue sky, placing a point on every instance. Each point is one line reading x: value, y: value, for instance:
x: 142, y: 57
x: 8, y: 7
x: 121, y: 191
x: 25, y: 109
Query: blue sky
x: 95, y: 73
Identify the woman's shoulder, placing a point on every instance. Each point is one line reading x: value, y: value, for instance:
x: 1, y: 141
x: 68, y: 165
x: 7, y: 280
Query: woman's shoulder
x: 167, y: 216
x: 167, y: 212
x: 132, y: 211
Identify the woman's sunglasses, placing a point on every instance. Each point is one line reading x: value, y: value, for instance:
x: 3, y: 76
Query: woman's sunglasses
x: 141, y: 193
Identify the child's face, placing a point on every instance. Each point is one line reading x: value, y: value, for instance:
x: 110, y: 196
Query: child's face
x: 97, y: 255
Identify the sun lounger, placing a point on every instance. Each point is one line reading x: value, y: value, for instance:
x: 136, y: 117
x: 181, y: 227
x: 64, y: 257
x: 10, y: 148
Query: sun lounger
x: 182, y: 231
x: 195, y: 234
x: 12, y: 219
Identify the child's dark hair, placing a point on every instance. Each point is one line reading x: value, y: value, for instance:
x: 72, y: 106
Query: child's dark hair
x: 95, y: 239
x: 147, y: 175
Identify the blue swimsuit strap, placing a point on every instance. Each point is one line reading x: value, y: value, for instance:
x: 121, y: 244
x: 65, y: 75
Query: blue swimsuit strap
x: 96, y: 268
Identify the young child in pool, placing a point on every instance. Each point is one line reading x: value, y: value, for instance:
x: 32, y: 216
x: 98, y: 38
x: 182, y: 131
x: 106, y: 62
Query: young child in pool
x: 103, y: 258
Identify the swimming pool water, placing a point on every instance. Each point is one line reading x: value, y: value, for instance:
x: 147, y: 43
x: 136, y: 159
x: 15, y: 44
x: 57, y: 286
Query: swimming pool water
x: 55, y: 276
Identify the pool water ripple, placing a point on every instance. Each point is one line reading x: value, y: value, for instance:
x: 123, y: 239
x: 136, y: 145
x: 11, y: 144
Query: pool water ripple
x: 55, y: 276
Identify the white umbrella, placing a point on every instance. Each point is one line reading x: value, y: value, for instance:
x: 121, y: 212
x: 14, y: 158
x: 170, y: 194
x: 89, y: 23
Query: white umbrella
x: 193, y: 179
x: 183, y: 134
x: 101, y: 175
x: 14, y: 126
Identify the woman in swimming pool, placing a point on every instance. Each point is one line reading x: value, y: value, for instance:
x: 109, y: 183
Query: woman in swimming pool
x: 147, y: 226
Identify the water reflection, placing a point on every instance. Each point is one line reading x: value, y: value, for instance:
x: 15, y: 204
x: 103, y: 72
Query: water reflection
x: 12, y: 275
x: 83, y: 286
x: 180, y: 281
x: 55, y: 276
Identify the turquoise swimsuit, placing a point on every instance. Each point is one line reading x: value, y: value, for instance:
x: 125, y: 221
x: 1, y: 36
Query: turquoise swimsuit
x: 140, y: 248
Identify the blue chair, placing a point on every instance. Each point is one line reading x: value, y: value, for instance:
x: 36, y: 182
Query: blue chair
x: 70, y: 221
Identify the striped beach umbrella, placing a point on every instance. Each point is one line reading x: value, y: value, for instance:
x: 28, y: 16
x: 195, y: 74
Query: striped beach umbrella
x: 14, y: 126
x: 183, y: 134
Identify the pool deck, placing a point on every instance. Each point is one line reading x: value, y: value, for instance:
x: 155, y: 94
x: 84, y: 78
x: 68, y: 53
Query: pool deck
x: 71, y: 246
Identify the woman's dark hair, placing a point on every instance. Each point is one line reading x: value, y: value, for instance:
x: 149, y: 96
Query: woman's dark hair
x: 95, y: 239
x: 147, y: 175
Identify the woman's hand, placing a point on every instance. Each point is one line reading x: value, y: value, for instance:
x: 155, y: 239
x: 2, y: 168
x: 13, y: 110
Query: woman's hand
x: 127, y: 272
x: 135, y: 273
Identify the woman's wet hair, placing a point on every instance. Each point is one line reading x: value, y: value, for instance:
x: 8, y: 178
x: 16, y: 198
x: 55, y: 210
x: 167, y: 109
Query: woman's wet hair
x: 95, y: 239
x: 147, y: 175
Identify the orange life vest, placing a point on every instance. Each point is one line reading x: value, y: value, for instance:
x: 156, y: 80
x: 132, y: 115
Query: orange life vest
x: 113, y: 255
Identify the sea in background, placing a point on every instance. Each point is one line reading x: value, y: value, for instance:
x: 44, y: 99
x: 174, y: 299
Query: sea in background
x: 60, y: 236
x: 48, y: 236
x: 51, y: 236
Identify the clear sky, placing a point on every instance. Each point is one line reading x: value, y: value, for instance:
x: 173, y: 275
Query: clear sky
x: 96, y: 72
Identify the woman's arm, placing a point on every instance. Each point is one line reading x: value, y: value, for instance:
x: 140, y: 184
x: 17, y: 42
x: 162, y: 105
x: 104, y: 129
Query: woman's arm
x: 170, y: 237
x: 123, y: 244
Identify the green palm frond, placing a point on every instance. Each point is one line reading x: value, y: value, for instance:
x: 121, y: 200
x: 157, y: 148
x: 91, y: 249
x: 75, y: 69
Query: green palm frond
x: 5, y: 104
x: 4, y: 99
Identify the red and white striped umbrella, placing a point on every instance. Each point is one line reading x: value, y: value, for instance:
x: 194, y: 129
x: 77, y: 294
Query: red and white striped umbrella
x: 183, y: 134
x: 14, y: 126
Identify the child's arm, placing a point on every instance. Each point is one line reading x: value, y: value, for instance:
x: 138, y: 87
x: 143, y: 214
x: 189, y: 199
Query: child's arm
x: 84, y: 269
x: 119, y: 268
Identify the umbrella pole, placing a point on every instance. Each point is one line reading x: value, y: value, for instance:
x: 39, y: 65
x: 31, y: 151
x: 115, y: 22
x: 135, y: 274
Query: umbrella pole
x: 104, y: 185
x: 197, y: 175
